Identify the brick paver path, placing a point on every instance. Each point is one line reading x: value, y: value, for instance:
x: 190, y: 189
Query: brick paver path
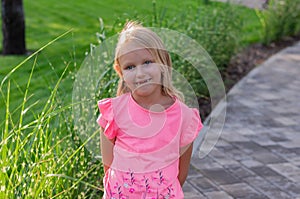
x: 258, y: 153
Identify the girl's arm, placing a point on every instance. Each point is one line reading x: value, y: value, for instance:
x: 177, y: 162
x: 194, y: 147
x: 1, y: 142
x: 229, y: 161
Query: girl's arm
x: 184, y: 163
x: 106, y: 146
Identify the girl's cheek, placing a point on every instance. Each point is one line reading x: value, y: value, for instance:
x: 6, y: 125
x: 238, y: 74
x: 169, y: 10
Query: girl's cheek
x: 155, y: 69
x: 150, y: 68
x: 128, y: 81
x: 127, y: 76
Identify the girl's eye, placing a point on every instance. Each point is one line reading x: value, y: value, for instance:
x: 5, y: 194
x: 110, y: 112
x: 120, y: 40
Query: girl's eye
x: 129, y: 67
x: 148, y: 62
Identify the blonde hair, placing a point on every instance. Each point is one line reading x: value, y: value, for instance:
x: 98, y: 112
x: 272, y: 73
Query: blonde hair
x: 142, y: 37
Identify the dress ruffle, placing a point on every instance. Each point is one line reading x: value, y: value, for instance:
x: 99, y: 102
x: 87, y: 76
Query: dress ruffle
x: 192, y: 128
x: 106, y: 118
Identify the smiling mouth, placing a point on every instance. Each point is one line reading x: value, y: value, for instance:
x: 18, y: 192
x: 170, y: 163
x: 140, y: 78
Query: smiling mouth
x: 142, y: 82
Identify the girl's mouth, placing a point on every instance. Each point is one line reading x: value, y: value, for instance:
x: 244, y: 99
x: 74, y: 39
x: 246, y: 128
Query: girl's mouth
x: 142, y: 82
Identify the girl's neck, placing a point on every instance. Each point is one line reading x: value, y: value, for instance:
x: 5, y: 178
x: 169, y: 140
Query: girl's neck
x: 156, y: 102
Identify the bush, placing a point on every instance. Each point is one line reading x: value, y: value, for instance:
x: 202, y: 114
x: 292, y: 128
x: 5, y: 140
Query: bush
x: 216, y: 30
x: 280, y: 19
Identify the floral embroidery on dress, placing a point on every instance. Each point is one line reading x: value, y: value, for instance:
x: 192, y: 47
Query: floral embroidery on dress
x: 130, y: 183
x: 160, y: 178
x: 152, y: 186
x: 118, y: 194
x: 169, y: 194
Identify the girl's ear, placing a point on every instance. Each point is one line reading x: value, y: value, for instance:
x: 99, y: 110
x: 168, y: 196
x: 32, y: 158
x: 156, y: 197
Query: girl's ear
x: 118, y: 69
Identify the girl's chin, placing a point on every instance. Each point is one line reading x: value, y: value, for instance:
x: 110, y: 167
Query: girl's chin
x: 143, y: 91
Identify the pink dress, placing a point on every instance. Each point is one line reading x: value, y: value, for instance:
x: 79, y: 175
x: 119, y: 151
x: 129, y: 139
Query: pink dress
x: 147, y: 147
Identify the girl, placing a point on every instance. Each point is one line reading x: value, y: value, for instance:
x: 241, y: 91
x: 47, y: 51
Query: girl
x: 146, y: 131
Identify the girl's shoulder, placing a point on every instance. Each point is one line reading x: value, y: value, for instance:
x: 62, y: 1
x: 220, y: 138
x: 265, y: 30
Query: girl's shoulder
x: 189, y: 115
x: 110, y: 105
x: 109, y: 101
x: 185, y: 109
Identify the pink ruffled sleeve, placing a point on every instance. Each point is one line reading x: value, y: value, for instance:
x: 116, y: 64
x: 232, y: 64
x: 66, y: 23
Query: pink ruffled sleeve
x: 106, y: 118
x: 191, y: 128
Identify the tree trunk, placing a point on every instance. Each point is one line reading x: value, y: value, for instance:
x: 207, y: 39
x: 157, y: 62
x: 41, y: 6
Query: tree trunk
x: 13, y: 27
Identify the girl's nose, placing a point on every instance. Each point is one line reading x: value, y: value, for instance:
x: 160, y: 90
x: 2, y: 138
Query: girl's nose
x: 140, y: 71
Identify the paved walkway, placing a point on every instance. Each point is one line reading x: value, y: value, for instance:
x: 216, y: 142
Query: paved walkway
x: 258, y: 153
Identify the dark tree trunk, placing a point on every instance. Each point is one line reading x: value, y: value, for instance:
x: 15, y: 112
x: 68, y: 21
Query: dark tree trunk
x: 13, y: 27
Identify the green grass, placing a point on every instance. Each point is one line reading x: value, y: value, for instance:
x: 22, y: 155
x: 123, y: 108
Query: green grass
x: 35, y: 123
x: 251, y: 31
x: 43, y: 157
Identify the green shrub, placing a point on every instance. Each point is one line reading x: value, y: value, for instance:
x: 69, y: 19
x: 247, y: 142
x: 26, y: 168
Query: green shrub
x: 281, y: 18
x: 216, y: 30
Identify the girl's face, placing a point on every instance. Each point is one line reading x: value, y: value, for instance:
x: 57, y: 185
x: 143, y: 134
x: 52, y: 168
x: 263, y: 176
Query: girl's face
x: 141, y: 73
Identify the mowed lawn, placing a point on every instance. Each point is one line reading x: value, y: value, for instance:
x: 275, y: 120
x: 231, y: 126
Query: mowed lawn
x: 46, y: 20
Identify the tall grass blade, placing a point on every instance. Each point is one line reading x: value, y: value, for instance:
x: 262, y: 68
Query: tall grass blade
x: 32, y: 55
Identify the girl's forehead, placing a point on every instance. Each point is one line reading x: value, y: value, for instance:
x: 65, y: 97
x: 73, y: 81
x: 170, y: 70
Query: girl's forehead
x: 138, y: 54
x: 134, y: 49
